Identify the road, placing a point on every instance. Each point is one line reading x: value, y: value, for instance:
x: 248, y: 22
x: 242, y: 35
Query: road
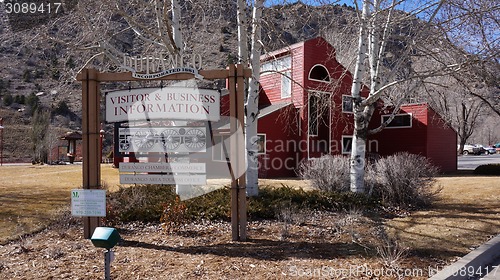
x: 470, y: 162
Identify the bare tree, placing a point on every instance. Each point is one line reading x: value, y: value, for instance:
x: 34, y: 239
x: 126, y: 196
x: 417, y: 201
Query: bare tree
x: 384, y: 69
x: 472, y: 28
x: 39, y: 129
x: 457, y: 106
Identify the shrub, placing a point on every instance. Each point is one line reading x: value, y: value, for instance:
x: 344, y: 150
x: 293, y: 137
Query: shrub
x: 19, y: 99
x: 139, y: 203
x: 214, y: 205
x: 403, y: 180
x: 152, y: 203
x: 62, y: 108
x: 33, y: 101
x: 27, y: 76
x: 173, y: 217
x: 488, y: 169
x: 327, y: 173
x: 270, y: 200
x: 8, y: 99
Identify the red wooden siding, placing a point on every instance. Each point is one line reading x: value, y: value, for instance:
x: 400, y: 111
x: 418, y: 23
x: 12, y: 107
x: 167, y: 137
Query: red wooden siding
x: 282, y: 152
x: 429, y: 136
x: 441, y: 143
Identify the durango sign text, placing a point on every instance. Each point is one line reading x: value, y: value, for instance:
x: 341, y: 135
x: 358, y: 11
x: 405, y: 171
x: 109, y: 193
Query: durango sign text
x: 157, y: 66
x: 175, y: 103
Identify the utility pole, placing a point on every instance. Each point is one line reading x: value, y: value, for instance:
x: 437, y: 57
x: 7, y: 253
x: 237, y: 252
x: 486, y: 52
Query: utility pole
x: 1, y: 141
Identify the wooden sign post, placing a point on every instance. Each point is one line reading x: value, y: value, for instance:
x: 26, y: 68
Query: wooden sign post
x: 91, y: 103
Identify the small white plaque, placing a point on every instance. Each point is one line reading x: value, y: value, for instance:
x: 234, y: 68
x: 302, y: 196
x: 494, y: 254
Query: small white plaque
x: 88, y: 203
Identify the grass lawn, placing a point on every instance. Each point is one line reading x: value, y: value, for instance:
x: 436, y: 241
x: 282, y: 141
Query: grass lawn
x: 31, y: 194
x: 466, y: 215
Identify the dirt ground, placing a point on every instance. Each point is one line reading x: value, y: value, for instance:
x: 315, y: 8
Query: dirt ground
x: 339, y: 246
x: 306, y: 245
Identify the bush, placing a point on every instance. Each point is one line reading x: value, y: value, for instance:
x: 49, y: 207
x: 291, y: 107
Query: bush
x: 8, y: 99
x: 33, y: 101
x: 270, y: 200
x: 173, y: 217
x: 19, y: 99
x: 488, y: 169
x: 403, y: 180
x: 327, y: 173
x: 62, y: 108
x: 138, y: 203
x: 152, y: 203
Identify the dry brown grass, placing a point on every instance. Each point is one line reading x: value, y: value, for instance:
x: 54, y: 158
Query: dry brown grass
x: 30, y: 194
x: 465, y: 216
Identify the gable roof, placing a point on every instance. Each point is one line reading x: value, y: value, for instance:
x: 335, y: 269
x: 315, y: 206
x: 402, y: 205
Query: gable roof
x: 272, y: 108
x: 287, y: 49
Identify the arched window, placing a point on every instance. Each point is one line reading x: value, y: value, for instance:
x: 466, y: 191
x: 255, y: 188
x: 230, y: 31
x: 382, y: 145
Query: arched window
x: 319, y: 73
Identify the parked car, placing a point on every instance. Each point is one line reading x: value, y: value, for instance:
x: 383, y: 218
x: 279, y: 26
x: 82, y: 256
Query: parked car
x: 470, y: 149
x: 497, y: 147
x: 486, y: 150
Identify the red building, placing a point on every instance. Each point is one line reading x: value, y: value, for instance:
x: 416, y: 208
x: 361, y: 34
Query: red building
x: 306, y: 112
x: 418, y: 129
x: 310, y: 114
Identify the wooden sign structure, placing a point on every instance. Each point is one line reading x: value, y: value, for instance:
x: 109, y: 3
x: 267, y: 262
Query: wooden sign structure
x: 91, y: 101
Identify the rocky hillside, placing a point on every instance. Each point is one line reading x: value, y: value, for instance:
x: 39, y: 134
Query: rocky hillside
x: 42, y: 55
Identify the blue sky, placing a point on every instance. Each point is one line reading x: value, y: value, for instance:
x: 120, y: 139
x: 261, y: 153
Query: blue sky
x: 405, y: 5
x: 313, y: 2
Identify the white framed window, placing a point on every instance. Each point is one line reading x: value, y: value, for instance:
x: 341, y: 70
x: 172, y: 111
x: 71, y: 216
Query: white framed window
x: 286, y: 84
x: 347, y: 104
x: 219, y: 153
x: 276, y: 65
x: 313, y: 114
x: 261, y: 143
x: 399, y: 121
x: 319, y: 73
x: 346, y: 144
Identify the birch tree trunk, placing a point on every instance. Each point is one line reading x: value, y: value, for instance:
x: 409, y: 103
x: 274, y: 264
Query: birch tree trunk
x: 252, y: 105
x: 241, y: 17
x: 176, y: 25
x: 375, y: 27
x: 357, y: 161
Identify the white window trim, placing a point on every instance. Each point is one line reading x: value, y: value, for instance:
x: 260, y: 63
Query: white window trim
x: 397, y: 127
x: 265, y: 143
x: 309, y: 120
x: 289, y: 78
x: 342, y: 102
x: 344, y: 137
x: 276, y: 65
x: 222, y: 149
x: 322, y: 81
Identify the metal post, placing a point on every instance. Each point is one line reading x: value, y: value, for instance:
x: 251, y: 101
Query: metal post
x: 101, y: 134
x: 107, y: 264
x: 1, y: 141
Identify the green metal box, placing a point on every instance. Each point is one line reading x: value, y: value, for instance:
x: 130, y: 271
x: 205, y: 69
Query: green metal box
x: 105, y: 237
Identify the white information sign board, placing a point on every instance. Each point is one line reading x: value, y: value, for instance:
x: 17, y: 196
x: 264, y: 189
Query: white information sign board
x: 174, y: 103
x: 88, y: 203
x: 163, y: 179
x: 176, y: 167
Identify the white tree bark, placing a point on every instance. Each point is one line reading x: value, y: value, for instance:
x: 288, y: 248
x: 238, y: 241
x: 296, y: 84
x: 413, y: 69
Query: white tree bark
x: 357, y: 162
x: 176, y: 25
x: 242, y: 33
x: 252, y: 104
x: 373, y: 36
